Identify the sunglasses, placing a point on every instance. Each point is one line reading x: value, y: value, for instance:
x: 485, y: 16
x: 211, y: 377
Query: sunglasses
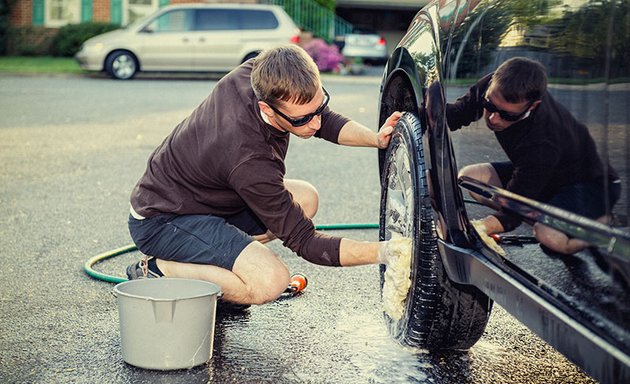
x: 306, y: 118
x: 505, y: 115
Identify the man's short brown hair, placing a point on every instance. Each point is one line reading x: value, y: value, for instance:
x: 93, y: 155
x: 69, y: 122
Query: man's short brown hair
x: 287, y: 74
x: 520, y: 79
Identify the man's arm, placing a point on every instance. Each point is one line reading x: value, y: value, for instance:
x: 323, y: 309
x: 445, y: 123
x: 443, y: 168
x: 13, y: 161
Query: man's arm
x: 357, y: 135
x: 353, y: 252
x: 392, y: 252
x: 467, y: 108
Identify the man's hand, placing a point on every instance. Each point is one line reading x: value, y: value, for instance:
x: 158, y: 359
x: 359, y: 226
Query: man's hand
x: 492, y: 225
x: 355, y: 134
x: 486, y: 227
x: 384, y: 135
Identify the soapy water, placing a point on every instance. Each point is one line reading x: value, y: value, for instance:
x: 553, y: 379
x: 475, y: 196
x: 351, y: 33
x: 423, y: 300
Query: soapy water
x: 397, y: 279
x: 378, y: 357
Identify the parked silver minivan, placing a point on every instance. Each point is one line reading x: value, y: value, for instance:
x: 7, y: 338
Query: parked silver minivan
x: 189, y: 38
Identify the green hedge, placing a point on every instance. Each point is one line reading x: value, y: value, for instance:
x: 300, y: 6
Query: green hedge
x: 5, y: 13
x: 70, y: 37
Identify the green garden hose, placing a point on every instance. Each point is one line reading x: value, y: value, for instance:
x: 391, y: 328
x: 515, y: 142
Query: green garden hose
x: 87, y: 267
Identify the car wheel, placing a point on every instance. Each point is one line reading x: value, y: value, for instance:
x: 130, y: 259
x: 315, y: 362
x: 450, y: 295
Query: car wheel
x: 250, y: 55
x: 121, y: 65
x: 436, y: 313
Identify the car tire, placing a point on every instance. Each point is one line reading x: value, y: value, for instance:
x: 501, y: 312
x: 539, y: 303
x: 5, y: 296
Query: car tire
x: 121, y: 65
x: 438, y: 313
x: 250, y: 55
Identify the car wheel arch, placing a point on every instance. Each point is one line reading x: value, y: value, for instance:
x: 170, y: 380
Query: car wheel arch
x: 250, y: 55
x: 402, y: 90
x: 404, y: 85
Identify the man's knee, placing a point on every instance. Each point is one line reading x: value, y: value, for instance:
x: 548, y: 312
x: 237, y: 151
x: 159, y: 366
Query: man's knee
x: 264, y: 275
x: 556, y: 240
x: 266, y: 291
x: 483, y: 172
x: 305, y: 194
x: 261, y: 291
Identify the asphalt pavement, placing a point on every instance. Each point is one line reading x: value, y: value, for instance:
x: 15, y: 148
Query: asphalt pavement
x: 71, y: 150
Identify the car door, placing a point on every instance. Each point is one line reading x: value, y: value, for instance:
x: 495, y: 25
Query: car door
x: 167, y: 42
x: 217, y: 39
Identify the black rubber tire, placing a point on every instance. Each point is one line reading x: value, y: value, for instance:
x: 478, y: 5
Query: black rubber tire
x: 121, y: 65
x: 438, y: 314
x: 250, y: 55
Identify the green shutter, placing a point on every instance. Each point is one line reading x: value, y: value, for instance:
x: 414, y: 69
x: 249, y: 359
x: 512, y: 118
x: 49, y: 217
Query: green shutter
x: 116, y: 12
x: 38, y: 12
x: 86, y: 10
x: 163, y: 3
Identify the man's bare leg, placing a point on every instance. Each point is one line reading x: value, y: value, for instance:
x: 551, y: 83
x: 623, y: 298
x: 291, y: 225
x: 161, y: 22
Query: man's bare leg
x: 258, y: 275
x: 485, y: 173
x: 305, y: 195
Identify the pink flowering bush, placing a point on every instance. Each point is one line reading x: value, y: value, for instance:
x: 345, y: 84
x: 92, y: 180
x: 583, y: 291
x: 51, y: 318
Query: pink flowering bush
x: 327, y: 57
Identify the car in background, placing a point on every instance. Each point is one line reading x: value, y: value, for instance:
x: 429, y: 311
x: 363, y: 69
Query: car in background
x: 189, y: 38
x: 365, y: 44
x: 577, y: 303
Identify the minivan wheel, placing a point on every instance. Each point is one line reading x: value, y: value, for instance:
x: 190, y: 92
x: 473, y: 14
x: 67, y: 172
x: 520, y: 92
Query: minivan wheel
x: 250, y: 55
x: 121, y: 65
x: 437, y: 313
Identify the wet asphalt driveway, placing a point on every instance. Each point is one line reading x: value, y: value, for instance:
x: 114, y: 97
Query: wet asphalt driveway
x: 71, y: 149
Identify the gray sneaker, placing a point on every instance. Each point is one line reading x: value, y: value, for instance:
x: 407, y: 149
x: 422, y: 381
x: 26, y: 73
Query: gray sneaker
x: 140, y: 270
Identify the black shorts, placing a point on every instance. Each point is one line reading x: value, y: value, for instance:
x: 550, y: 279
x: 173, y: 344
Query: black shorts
x: 199, y: 239
x: 585, y: 199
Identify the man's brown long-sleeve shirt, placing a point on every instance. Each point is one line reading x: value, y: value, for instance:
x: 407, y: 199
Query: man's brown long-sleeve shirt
x: 224, y: 157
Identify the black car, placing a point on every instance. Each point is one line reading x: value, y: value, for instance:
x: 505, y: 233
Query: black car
x: 577, y: 303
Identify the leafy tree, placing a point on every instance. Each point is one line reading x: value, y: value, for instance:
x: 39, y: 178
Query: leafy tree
x: 596, y: 33
x: 580, y: 37
x: 475, y: 44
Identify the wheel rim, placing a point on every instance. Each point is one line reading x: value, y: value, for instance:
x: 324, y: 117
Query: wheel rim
x: 399, y: 211
x: 400, y: 201
x: 124, y: 66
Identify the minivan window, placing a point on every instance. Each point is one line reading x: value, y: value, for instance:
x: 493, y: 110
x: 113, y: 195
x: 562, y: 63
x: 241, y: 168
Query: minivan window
x: 173, y: 21
x: 216, y: 19
x: 231, y: 19
x: 252, y: 19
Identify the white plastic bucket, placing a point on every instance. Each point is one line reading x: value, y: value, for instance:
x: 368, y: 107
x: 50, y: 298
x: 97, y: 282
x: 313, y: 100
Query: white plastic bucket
x: 166, y: 323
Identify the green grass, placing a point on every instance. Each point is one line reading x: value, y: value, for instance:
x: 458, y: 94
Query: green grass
x: 40, y: 64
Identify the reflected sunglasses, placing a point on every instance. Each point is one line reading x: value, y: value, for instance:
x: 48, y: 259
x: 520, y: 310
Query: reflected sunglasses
x: 306, y: 118
x: 505, y: 115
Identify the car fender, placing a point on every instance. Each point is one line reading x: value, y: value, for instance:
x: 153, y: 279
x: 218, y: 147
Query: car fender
x: 412, y: 83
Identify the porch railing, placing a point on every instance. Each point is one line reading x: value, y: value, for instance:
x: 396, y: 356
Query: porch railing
x: 313, y: 17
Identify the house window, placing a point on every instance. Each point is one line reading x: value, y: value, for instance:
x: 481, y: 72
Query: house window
x: 137, y: 9
x: 61, y: 12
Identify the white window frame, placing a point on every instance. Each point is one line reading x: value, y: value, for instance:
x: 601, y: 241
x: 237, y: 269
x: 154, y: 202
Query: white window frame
x: 144, y: 10
x: 73, y: 8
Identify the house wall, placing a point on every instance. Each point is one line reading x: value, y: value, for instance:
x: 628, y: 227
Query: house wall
x: 101, y: 11
x: 21, y: 13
